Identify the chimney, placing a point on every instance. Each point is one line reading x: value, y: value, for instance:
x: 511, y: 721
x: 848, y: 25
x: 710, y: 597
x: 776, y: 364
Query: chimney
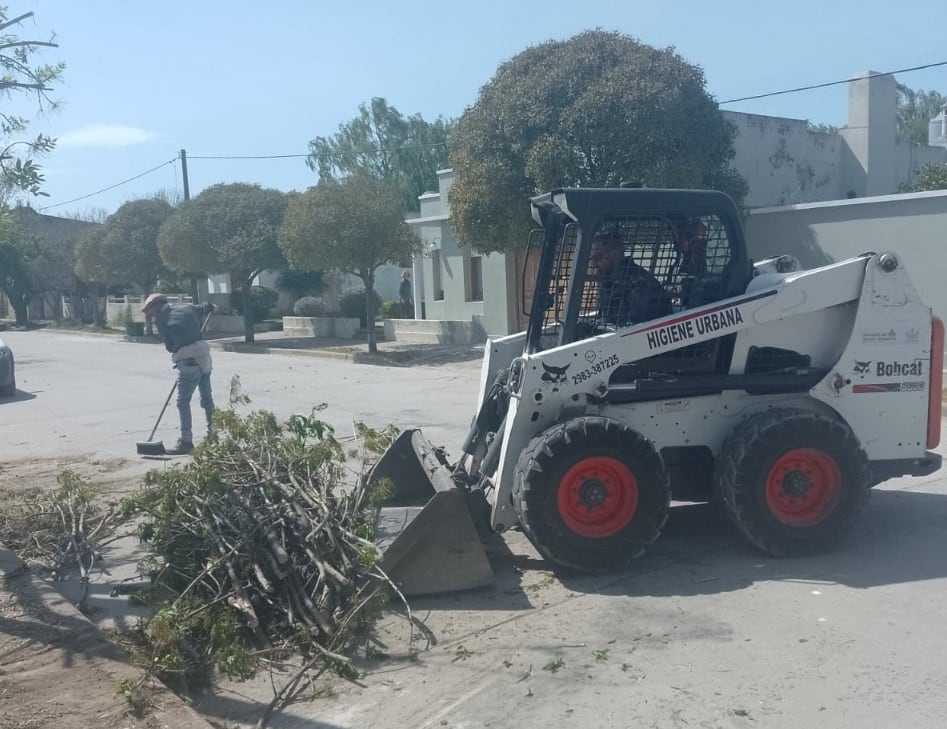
x: 870, y: 134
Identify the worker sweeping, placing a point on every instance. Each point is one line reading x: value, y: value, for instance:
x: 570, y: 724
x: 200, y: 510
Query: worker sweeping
x: 180, y: 328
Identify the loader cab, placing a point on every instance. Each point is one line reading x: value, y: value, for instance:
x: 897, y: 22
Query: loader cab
x: 617, y: 258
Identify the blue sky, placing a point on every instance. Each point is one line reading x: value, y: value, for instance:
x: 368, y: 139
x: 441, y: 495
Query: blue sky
x: 234, y: 78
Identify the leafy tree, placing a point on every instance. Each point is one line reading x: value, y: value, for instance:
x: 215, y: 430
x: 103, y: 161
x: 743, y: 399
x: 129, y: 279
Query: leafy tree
x: 300, y: 283
x: 354, y: 225
x: 226, y: 229
x: 17, y: 251
x: 130, y: 243
x: 595, y: 110
x: 21, y: 75
x: 823, y: 128
x: 38, y: 259
x: 94, y: 267
x: 382, y: 141
x: 914, y: 113
x: 929, y: 177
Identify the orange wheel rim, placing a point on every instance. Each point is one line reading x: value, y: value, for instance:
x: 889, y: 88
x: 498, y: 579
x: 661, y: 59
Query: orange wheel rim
x: 803, y: 487
x: 598, y: 497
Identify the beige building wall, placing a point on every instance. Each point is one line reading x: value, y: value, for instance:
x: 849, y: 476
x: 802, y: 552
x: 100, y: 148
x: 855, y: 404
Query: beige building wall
x: 913, y: 226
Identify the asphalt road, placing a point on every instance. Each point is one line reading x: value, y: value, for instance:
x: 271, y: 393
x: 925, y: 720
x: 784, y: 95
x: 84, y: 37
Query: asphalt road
x: 702, y: 632
x: 81, y: 393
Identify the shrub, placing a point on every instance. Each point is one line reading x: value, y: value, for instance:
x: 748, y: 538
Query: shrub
x: 262, y: 301
x: 353, y: 304
x: 300, y: 284
x: 390, y: 310
x: 309, y: 306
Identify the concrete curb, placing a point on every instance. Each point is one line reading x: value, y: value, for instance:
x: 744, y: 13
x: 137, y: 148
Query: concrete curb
x: 244, y: 348
x: 58, y: 645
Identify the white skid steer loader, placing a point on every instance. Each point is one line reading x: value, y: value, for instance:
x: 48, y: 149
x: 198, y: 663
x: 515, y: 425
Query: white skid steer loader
x: 659, y: 362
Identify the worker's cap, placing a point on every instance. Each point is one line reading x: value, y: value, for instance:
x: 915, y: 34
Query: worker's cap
x: 153, y: 302
x: 609, y: 237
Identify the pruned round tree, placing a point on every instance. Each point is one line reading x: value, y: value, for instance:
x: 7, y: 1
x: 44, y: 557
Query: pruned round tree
x: 354, y: 225
x: 130, y: 242
x: 593, y: 111
x: 228, y: 229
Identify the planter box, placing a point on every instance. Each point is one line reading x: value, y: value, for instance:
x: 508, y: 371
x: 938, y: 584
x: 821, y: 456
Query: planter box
x: 327, y: 327
x: 434, y: 331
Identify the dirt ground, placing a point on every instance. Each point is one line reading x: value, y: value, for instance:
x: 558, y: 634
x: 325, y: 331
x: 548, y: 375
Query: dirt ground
x: 57, y: 669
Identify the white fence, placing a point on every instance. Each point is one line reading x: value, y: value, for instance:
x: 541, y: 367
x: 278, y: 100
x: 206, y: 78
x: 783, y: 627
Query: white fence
x: 130, y: 306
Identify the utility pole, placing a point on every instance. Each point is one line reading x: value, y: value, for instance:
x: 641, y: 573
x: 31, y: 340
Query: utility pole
x: 195, y: 287
x: 187, y: 190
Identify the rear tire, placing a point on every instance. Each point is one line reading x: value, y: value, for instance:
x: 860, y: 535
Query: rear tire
x: 792, y: 481
x: 8, y: 390
x: 591, y: 494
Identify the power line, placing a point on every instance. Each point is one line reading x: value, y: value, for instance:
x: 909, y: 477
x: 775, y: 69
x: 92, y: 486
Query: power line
x: 110, y: 187
x: 426, y: 145
x: 442, y: 144
x: 831, y: 83
x: 257, y: 156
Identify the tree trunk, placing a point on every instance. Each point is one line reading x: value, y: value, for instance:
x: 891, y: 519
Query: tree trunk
x: 370, y: 312
x: 99, y: 312
x: 247, y: 313
x: 149, y: 329
x: 21, y: 310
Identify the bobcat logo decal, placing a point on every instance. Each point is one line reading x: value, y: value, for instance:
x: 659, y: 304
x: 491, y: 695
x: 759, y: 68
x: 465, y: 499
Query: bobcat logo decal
x: 861, y: 368
x: 555, y: 375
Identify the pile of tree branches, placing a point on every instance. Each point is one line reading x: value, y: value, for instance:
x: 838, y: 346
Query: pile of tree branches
x: 59, y: 532
x: 258, y: 549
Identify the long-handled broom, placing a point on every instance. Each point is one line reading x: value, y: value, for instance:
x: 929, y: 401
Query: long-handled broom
x: 156, y: 447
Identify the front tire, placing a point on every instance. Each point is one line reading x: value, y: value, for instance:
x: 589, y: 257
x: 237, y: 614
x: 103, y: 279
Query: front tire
x: 792, y: 481
x: 591, y: 494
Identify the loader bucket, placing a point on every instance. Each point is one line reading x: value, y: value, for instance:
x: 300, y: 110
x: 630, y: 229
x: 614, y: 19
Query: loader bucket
x: 426, y: 535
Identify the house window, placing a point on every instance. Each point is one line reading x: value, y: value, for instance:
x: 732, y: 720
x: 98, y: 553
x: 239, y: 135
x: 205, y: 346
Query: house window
x: 475, y: 284
x: 436, y: 271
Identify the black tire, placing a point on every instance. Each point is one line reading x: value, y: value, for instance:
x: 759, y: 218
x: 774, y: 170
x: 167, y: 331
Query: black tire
x: 591, y: 494
x: 792, y: 481
x: 8, y: 390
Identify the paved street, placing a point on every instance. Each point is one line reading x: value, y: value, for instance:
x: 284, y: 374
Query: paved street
x: 82, y: 394
x: 701, y: 632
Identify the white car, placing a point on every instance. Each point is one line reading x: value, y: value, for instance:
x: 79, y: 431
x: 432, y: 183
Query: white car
x: 7, y: 371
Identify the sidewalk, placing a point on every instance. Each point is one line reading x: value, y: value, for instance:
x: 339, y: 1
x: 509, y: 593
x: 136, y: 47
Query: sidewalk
x: 58, y: 671
x: 390, y: 354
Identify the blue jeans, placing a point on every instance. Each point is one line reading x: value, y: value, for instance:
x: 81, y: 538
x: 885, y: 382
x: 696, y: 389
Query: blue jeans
x: 191, y: 378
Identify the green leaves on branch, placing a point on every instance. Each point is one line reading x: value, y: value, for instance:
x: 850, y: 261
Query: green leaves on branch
x: 384, y: 143
x: 915, y: 109
x: 595, y: 110
x: 354, y: 225
x: 929, y: 177
x: 258, y: 545
x: 21, y: 75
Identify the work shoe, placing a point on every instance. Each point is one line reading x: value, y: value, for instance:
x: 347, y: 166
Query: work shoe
x: 181, y: 448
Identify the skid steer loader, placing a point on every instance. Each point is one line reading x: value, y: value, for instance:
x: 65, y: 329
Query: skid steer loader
x: 680, y: 370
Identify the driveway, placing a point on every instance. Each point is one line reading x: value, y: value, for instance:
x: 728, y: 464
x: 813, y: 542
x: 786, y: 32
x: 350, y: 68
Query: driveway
x: 701, y: 632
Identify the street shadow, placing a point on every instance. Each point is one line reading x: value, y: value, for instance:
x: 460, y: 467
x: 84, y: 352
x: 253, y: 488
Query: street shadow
x: 18, y: 396
x: 898, y: 538
x: 422, y: 355
x: 229, y: 706
x: 49, y: 619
